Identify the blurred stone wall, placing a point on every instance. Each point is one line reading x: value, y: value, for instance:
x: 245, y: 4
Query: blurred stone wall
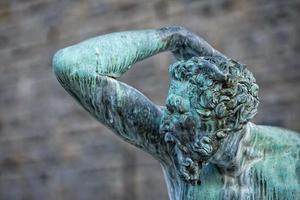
x: 50, y: 148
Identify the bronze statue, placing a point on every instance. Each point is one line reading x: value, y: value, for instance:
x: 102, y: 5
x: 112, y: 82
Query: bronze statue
x: 203, y: 139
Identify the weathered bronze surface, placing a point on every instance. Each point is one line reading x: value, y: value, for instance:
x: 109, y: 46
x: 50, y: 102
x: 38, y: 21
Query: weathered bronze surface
x: 203, y: 139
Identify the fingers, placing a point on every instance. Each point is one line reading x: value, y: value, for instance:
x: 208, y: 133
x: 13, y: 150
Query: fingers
x: 185, y: 44
x: 201, y: 47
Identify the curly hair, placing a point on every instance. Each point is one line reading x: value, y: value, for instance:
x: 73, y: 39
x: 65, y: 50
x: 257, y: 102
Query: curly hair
x: 227, y: 93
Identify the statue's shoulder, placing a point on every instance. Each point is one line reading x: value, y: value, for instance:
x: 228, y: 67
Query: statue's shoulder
x: 277, y: 173
x: 274, y: 139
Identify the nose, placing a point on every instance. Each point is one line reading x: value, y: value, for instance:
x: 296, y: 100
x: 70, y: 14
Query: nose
x: 177, y: 104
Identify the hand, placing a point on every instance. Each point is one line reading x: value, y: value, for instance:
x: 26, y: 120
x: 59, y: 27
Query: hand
x: 185, y: 44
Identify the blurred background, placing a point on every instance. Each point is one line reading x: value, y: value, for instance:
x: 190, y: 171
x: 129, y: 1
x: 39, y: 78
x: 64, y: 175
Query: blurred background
x: 50, y: 148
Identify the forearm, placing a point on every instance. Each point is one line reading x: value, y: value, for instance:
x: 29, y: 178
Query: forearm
x: 113, y: 54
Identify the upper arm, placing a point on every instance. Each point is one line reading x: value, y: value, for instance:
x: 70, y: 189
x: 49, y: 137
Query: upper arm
x: 120, y: 107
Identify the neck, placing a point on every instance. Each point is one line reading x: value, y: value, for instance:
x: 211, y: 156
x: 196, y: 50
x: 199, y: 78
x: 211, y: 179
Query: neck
x: 236, y: 153
x: 234, y: 159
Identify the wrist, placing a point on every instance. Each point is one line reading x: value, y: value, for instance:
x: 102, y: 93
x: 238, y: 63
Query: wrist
x: 173, y: 36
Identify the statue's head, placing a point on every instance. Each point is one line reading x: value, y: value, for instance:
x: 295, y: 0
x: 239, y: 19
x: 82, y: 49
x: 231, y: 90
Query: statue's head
x: 209, y: 98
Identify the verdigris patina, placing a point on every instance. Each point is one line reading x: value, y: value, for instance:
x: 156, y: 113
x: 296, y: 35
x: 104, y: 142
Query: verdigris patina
x: 203, y: 139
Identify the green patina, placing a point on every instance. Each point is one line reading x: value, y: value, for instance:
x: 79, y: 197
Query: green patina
x: 203, y: 139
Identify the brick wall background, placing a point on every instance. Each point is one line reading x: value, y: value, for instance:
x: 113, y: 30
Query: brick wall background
x: 50, y: 148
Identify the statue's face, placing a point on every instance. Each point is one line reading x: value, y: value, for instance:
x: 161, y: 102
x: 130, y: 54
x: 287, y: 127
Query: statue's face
x: 182, y: 121
x: 189, y: 144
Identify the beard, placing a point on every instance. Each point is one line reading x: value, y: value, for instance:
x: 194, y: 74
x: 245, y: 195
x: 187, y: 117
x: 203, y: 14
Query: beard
x: 189, y: 146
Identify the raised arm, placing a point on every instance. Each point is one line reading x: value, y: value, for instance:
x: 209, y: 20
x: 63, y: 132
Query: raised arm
x: 113, y: 54
x: 87, y: 71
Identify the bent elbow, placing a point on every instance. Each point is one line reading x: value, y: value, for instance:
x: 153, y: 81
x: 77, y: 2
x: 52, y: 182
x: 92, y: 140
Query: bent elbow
x: 63, y: 65
x: 58, y: 63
